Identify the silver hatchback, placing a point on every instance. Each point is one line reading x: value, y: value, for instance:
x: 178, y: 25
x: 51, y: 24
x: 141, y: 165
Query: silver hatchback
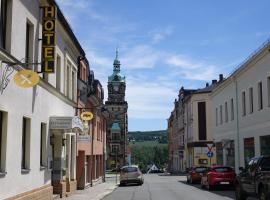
x: 131, y: 174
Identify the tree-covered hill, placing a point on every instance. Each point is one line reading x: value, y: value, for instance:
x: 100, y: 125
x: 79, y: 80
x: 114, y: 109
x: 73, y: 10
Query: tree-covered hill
x: 142, y: 136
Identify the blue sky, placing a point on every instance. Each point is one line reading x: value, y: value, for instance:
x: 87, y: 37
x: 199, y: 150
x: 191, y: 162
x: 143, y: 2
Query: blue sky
x: 164, y: 45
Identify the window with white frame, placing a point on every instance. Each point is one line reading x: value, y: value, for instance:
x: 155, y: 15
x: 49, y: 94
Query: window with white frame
x: 29, y: 42
x: 5, y: 24
x: 43, y: 145
x: 232, y: 110
x: 260, y: 96
x: 25, y: 159
x: 268, y: 90
x: 243, y: 103
x: 251, y: 100
x: 70, y: 80
x: 226, y: 112
x: 216, y: 116
x: 58, y: 73
x: 3, y: 140
x: 221, y: 114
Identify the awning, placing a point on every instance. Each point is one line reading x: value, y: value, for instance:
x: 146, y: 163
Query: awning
x: 66, y: 123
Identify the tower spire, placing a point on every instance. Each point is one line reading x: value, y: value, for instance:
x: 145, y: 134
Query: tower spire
x: 116, y: 57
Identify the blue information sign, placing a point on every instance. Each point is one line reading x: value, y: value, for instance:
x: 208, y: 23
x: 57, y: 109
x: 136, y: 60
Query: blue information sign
x: 210, y: 154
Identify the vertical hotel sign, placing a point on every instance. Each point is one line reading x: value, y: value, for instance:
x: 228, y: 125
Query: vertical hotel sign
x: 48, y: 39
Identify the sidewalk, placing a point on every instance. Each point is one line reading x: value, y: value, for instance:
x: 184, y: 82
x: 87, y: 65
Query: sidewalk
x: 97, y: 192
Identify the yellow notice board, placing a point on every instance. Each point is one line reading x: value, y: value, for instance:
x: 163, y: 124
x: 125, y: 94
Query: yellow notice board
x: 87, y: 116
x: 26, y: 78
x: 48, y: 39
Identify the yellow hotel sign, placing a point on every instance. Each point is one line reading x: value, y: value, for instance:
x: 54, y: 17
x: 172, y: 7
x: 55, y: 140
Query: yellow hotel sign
x: 26, y: 78
x: 87, y: 116
x: 48, y: 39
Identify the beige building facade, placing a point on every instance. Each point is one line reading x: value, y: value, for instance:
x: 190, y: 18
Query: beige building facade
x: 241, y: 119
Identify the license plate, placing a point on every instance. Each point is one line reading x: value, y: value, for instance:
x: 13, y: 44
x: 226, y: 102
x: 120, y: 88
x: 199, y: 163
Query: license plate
x: 225, y: 183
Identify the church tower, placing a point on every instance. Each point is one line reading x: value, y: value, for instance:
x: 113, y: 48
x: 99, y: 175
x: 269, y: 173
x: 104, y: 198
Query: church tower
x: 117, y: 121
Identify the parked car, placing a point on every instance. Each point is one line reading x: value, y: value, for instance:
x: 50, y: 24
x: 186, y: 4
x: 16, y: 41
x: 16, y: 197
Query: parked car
x: 194, y: 174
x: 254, y: 180
x: 218, y: 175
x: 131, y: 174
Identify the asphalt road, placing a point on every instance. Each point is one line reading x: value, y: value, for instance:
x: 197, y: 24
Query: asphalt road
x: 165, y: 187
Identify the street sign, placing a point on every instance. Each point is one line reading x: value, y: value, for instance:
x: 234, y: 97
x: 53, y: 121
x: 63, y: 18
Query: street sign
x: 210, y: 146
x: 26, y: 78
x: 210, y: 154
x: 87, y: 116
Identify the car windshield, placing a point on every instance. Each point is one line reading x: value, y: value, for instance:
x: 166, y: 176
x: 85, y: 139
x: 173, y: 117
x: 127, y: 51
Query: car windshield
x: 265, y: 164
x: 129, y: 169
x: 223, y: 169
x: 200, y: 169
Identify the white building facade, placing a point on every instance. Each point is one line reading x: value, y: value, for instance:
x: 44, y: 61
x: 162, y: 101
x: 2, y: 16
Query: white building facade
x: 241, y: 117
x: 37, y: 125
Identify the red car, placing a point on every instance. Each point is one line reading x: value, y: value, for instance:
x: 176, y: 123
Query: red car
x: 218, y: 175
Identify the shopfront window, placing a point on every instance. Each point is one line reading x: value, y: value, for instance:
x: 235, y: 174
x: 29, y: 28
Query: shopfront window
x: 219, y: 152
x: 265, y: 143
x: 249, y: 151
x: 230, y: 154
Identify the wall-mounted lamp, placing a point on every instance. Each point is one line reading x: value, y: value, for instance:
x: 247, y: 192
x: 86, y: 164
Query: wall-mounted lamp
x: 64, y: 141
x: 52, y: 139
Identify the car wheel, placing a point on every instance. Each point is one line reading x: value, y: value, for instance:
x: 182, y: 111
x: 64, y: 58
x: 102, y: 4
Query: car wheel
x: 262, y: 194
x: 122, y: 184
x: 239, y: 193
x: 202, y: 185
x: 187, y: 179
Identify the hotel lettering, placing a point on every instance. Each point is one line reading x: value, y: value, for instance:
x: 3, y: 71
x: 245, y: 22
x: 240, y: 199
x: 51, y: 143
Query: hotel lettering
x: 48, y: 39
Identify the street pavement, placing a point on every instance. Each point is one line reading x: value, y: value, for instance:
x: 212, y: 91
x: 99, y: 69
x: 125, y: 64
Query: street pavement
x: 98, y: 191
x: 167, y: 187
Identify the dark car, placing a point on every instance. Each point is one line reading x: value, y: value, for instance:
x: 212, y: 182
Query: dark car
x: 195, y: 174
x: 254, y: 180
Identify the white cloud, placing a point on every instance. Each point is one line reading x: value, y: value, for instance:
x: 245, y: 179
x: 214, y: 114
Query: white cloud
x: 160, y: 34
x: 148, y: 101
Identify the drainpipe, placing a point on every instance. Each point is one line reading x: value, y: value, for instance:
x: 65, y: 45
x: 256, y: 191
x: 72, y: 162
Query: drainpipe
x: 237, y: 124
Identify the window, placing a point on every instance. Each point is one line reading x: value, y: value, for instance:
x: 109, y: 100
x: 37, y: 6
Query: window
x: 29, y: 42
x: 243, y: 103
x: 25, y: 162
x: 73, y: 85
x: 3, y: 137
x: 202, y: 120
x: 232, y: 110
x: 251, y: 100
x: 58, y: 73
x: 220, y: 113
x: 67, y: 79
x: 5, y: 24
x: 260, y: 96
x: 216, y: 116
x: 268, y: 89
x: 226, y: 111
x: 43, y: 144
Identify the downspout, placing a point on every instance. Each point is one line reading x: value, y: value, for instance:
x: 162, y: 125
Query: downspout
x: 237, y: 123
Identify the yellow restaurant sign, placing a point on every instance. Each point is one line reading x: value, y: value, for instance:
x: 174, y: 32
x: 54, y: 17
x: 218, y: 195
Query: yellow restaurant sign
x: 26, y: 78
x: 48, y: 39
x: 87, y: 116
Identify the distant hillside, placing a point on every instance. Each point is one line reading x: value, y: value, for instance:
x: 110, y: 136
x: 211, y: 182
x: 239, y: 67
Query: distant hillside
x: 141, y: 136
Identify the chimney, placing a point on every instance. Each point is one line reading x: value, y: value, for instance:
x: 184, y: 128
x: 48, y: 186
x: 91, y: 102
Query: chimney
x: 207, y: 85
x: 214, y: 81
x: 221, y: 77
